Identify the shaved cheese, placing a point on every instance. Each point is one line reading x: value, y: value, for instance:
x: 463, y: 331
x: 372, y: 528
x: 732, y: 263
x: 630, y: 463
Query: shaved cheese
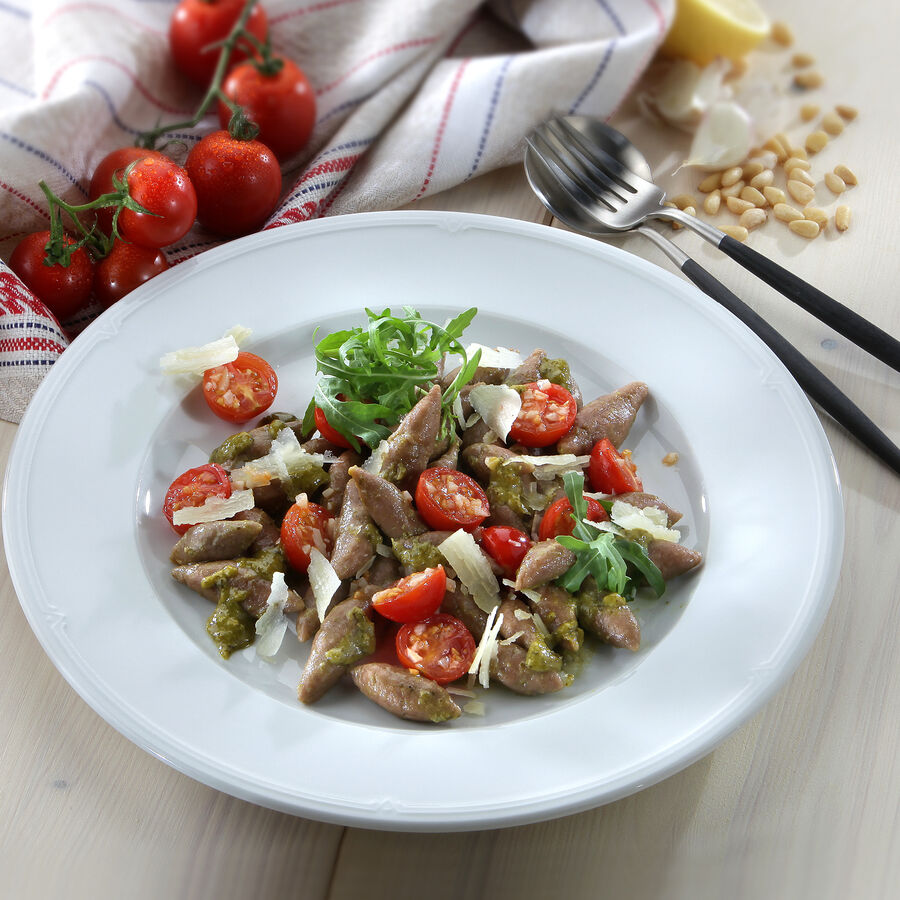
x: 196, y: 360
x: 723, y: 138
x: 474, y: 708
x: 546, y: 467
x: 285, y: 458
x: 472, y: 568
x: 373, y: 464
x: 495, y: 357
x: 214, y: 509
x: 498, y: 405
x: 323, y: 580
x: 651, y: 520
x: 457, y: 409
x: 272, y: 624
x: 521, y: 614
x: 487, y: 648
x: 513, y: 637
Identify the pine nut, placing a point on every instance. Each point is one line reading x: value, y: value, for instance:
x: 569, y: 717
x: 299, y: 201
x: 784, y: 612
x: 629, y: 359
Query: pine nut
x: 752, y: 195
x: 710, y: 183
x: 774, y: 195
x: 799, y: 153
x: 801, y: 192
x: 738, y: 232
x: 804, y: 227
x: 766, y: 158
x: 784, y: 140
x: 775, y: 146
x: 802, y: 60
x: 752, y: 169
x: 835, y: 183
x: 712, y: 202
x: 816, y: 141
x: 731, y: 176
x: 809, y: 111
x: 781, y: 34
x: 738, y: 68
x: 842, y: 218
x: 691, y: 211
x: 737, y: 206
x: 786, y: 213
x: 801, y: 175
x: 795, y: 163
x: 763, y: 179
x: 814, y: 214
x: 847, y: 113
x: 683, y: 200
x: 809, y: 79
x: 832, y: 123
x: 843, y: 172
x: 733, y: 190
x: 752, y: 218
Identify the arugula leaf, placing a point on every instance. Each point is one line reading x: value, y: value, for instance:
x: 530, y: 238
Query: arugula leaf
x: 632, y: 552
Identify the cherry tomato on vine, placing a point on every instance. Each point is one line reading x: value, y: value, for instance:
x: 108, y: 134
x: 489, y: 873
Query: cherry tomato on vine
x: 112, y: 164
x: 238, y: 183
x: 191, y: 488
x: 612, y: 472
x: 166, y: 192
x: 305, y: 526
x: 196, y: 24
x: 414, y: 597
x: 507, y: 546
x: 440, y: 647
x: 282, y: 104
x: 64, y: 290
x: 241, y: 390
x: 447, y: 499
x: 124, y: 268
x: 547, y: 413
x: 558, y: 518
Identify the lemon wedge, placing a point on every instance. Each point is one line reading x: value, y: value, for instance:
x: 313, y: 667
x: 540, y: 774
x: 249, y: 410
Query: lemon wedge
x: 705, y: 29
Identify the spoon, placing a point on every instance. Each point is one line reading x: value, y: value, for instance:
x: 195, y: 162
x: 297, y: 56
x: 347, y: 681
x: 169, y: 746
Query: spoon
x: 569, y: 203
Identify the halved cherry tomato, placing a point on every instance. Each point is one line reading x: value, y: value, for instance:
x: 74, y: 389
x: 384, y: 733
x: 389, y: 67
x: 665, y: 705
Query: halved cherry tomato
x: 440, y: 647
x: 305, y: 526
x: 506, y: 546
x: 239, y: 391
x: 448, y: 499
x: 559, y: 519
x: 547, y: 413
x: 329, y: 433
x: 192, y: 488
x: 612, y: 472
x: 414, y: 597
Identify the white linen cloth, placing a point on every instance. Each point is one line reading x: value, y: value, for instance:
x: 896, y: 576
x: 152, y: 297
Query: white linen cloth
x: 413, y: 97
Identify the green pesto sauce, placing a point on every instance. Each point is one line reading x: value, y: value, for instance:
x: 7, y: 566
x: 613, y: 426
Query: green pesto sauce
x: 357, y: 643
x: 540, y: 658
x: 434, y: 706
x: 232, y: 448
x: 306, y: 479
x: 505, y: 489
x: 395, y: 473
x: 568, y: 631
x: 266, y: 563
x: 557, y: 371
x: 415, y: 554
x: 230, y: 626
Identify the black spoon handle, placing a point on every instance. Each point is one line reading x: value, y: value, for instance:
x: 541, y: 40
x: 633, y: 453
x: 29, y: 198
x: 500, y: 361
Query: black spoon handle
x: 816, y: 385
x: 839, y: 317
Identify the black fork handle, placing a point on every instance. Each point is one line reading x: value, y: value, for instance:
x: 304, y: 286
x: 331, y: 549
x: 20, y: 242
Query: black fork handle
x: 841, y: 318
x: 817, y: 386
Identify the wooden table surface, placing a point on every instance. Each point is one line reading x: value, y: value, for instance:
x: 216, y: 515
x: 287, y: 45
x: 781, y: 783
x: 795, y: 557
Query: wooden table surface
x: 803, y: 801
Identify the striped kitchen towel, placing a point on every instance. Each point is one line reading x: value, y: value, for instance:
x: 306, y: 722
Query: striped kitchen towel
x: 413, y: 97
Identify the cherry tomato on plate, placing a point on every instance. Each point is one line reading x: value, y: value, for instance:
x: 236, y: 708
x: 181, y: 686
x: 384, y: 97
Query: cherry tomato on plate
x: 192, y: 488
x: 166, y: 192
x: 241, y: 390
x: 440, y: 647
x: 281, y: 103
x: 558, y: 519
x: 447, y: 499
x: 196, y: 24
x: 124, y: 268
x: 114, y: 164
x: 414, y: 597
x: 612, y: 472
x: 327, y: 432
x: 507, y: 546
x: 64, y: 290
x: 305, y: 526
x: 547, y: 413
x: 238, y: 183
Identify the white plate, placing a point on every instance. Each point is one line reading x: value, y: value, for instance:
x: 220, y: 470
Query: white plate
x: 106, y: 433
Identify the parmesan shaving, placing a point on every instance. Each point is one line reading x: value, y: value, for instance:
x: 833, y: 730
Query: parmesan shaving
x: 472, y: 569
x: 651, y: 520
x: 196, y: 360
x: 214, y: 509
x: 546, y: 467
x: 285, y: 457
x: 474, y: 708
x: 498, y: 405
x: 272, y: 624
x: 373, y: 464
x: 323, y: 580
x: 487, y: 648
x: 495, y: 357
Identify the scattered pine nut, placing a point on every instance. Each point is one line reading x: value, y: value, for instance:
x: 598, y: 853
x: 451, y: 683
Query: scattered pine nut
x: 832, y: 123
x: 814, y: 214
x: 799, y: 153
x: 752, y: 195
x: 738, y: 232
x: 843, y: 172
x: 808, y: 79
x: 798, y: 174
x: 835, y: 183
x: 775, y: 146
x: 731, y: 176
x: 762, y: 179
x: 712, y: 202
x: 738, y: 206
x: 842, y: 218
x: 802, y: 60
x: 784, y: 140
x: 781, y: 34
x: 691, y: 211
x: 752, y: 218
x: 847, y: 113
x: 683, y: 200
x: 804, y: 227
x: 795, y: 163
x: 738, y: 68
x: 785, y: 212
x: 801, y: 192
x: 670, y: 459
x: 710, y: 183
x: 809, y: 111
x: 752, y: 169
x: 816, y: 141
x: 774, y: 195
x: 733, y: 190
